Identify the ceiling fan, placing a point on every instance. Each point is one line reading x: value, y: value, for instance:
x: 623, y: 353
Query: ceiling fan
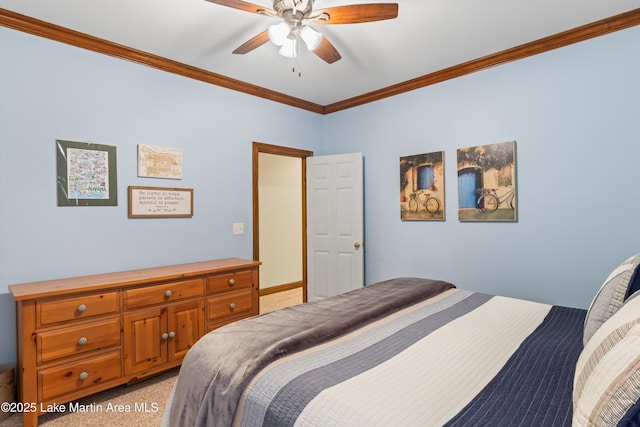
x: 294, y: 13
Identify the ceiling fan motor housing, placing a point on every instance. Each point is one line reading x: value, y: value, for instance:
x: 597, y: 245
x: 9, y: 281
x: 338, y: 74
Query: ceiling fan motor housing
x: 293, y: 9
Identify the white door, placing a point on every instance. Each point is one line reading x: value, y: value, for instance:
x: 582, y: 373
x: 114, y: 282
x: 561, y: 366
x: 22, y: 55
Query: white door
x: 335, y: 251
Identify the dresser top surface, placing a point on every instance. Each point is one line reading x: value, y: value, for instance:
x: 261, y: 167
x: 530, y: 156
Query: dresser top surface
x: 105, y: 281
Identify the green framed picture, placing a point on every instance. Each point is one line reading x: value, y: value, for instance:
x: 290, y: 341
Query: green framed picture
x: 87, y: 174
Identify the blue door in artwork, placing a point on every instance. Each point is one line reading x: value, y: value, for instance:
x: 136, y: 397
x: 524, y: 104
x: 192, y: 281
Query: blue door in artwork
x: 469, y: 181
x: 425, y: 177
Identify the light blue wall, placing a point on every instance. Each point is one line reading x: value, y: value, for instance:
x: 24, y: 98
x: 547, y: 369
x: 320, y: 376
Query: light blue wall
x: 52, y: 91
x: 574, y: 113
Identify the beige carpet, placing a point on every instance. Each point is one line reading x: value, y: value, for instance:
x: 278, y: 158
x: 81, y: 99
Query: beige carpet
x: 119, y: 407
x: 280, y: 299
x: 125, y: 406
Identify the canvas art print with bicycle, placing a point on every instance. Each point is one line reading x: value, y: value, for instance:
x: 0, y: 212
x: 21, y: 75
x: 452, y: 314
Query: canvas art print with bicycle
x: 486, y: 182
x: 422, y: 187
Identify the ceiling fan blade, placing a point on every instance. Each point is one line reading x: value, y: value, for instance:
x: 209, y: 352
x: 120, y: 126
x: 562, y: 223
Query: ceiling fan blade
x: 253, y: 43
x: 355, y: 13
x: 246, y: 6
x: 327, y: 52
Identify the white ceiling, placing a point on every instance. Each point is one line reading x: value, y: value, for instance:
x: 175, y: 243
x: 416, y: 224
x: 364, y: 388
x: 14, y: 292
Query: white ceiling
x: 427, y: 36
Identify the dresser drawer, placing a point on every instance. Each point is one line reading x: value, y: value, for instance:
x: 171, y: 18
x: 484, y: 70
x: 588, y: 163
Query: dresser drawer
x: 230, y: 281
x: 76, y: 308
x: 76, y: 340
x: 79, y: 375
x: 233, y: 303
x: 166, y: 292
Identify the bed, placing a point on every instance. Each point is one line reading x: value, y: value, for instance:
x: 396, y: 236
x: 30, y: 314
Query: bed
x: 421, y: 352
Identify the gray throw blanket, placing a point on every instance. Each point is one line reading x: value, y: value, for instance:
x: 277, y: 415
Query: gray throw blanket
x: 219, y: 366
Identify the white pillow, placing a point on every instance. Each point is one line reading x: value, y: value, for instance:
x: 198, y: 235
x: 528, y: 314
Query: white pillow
x: 607, y: 379
x: 610, y: 297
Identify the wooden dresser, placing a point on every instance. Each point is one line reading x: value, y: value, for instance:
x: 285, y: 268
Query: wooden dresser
x: 81, y: 335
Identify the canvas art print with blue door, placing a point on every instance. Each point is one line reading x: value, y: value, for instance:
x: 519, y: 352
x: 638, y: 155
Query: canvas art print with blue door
x: 422, y: 187
x: 487, y: 182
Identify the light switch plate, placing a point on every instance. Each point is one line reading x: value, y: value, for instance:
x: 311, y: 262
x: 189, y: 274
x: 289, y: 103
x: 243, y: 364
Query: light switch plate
x: 238, y: 228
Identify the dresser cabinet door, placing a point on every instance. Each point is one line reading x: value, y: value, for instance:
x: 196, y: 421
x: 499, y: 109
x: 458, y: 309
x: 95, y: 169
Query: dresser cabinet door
x: 185, y: 326
x: 145, y: 340
x: 157, y: 336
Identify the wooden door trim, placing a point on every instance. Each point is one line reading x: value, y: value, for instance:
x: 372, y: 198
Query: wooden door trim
x: 259, y: 147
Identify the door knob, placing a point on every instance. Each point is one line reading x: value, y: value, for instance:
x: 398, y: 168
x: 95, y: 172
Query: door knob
x: 356, y: 245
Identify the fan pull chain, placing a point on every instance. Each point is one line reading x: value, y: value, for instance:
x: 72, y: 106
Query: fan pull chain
x: 296, y: 58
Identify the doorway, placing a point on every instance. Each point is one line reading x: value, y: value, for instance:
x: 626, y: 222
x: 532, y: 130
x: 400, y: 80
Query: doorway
x: 274, y: 244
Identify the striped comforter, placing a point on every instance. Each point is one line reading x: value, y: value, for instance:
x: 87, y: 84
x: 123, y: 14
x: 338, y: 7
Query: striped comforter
x: 449, y: 357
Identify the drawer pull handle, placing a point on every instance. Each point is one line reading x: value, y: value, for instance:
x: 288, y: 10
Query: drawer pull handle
x: 167, y: 294
x: 81, y: 308
x: 232, y: 282
x: 165, y: 336
x: 172, y: 334
x: 82, y: 341
x: 84, y: 376
x: 232, y: 306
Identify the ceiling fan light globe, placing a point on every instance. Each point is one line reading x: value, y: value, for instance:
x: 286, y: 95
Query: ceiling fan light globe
x: 278, y: 33
x: 288, y: 48
x: 311, y: 37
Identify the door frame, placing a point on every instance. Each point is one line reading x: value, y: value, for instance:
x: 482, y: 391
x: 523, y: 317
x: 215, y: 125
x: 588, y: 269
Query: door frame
x: 257, y: 148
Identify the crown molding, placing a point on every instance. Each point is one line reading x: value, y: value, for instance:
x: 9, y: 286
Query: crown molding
x: 60, y: 34
x: 57, y: 33
x: 585, y: 32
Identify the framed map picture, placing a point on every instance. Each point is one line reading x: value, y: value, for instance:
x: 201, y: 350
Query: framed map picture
x: 87, y: 174
x: 487, y: 182
x: 159, y: 162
